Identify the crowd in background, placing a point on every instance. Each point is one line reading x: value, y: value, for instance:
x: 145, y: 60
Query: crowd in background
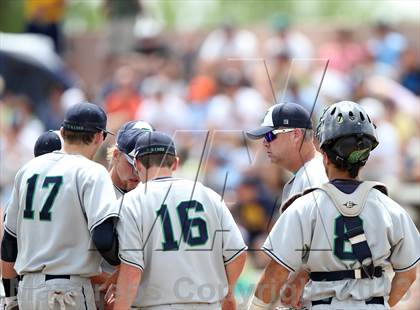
x: 205, y: 90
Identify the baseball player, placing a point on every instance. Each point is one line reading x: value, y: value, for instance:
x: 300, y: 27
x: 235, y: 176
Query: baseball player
x: 48, y: 142
x: 288, y: 139
x: 347, y: 232
x: 178, y: 241
x: 123, y: 175
x: 61, y: 203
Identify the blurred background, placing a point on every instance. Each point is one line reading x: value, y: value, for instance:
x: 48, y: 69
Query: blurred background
x: 204, y: 71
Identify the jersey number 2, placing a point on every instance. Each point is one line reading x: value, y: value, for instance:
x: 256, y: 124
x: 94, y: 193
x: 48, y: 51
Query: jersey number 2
x: 45, y: 213
x: 187, y: 224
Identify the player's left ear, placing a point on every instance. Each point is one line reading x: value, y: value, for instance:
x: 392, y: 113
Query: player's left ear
x: 298, y: 135
x: 175, y: 164
x: 325, y: 159
x: 99, y: 138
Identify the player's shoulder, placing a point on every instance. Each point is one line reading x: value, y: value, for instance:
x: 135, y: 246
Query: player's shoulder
x: 378, y: 199
x: 34, y: 164
x: 307, y: 201
x: 89, y: 167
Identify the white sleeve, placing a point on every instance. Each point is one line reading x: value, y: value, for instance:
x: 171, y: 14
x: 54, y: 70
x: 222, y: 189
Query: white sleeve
x: 405, y: 242
x: 130, y: 236
x: 97, y: 196
x: 233, y: 243
x: 286, y: 241
x: 12, y: 209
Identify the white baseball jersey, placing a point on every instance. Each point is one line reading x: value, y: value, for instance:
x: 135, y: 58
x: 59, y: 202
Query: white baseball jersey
x: 181, y: 241
x: 118, y: 192
x: 311, y: 174
x: 310, y: 232
x: 57, y: 200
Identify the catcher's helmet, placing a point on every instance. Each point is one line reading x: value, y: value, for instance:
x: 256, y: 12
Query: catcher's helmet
x: 346, y: 133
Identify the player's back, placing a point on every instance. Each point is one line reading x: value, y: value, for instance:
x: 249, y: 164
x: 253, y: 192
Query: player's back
x: 184, y: 247
x: 385, y: 224
x: 50, y: 216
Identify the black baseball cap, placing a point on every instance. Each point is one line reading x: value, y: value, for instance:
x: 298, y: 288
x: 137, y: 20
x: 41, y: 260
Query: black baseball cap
x: 85, y: 117
x: 282, y: 115
x: 127, y: 137
x: 154, y: 143
x: 48, y: 142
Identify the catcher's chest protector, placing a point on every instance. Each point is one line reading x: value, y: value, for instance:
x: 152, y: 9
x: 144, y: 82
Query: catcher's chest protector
x: 350, y: 206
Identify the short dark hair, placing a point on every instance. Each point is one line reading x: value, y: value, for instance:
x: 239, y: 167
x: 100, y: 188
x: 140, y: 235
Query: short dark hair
x: 157, y: 160
x: 352, y: 170
x: 77, y: 137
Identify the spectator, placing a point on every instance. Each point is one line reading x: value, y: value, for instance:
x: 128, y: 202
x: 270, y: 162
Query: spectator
x: 343, y: 52
x: 124, y: 100
x: 410, y: 71
x: 162, y: 108
x: 385, y: 161
x: 17, y: 139
x: 386, y: 46
x: 228, y: 42
x: 294, y: 43
x: 254, y: 207
x: 237, y: 105
x: 44, y: 17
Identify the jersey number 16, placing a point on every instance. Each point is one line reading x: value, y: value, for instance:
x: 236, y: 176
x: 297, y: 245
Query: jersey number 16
x: 187, y: 224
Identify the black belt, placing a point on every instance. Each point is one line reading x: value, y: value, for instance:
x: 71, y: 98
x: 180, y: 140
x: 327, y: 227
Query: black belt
x: 371, y: 301
x: 344, y: 274
x: 56, y: 276
x: 51, y: 277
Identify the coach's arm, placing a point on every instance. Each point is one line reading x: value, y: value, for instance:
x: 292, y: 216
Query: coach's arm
x: 268, y: 288
x: 233, y: 271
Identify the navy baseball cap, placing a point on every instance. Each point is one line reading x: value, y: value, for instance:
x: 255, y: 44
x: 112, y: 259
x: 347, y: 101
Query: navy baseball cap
x: 282, y: 115
x: 127, y: 137
x: 48, y: 142
x: 85, y: 117
x: 154, y: 143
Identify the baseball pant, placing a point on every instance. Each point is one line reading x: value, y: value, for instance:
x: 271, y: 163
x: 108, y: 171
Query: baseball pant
x: 348, y: 305
x: 40, y: 292
x: 198, y: 306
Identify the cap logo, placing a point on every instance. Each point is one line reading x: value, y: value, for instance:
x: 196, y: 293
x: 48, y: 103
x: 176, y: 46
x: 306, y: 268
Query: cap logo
x: 285, y: 122
x: 75, y: 127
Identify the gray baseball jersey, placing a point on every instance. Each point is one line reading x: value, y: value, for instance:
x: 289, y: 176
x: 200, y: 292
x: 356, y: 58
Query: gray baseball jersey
x: 181, y: 241
x: 310, y: 232
x: 311, y: 174
x: 57, y: 200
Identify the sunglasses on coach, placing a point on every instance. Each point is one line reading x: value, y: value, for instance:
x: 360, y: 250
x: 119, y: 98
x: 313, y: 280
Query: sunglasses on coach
x: 271, y: 136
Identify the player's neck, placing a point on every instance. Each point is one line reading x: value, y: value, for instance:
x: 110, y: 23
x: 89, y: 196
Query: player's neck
x: 156, y: 172
x: 334, y: 173
x: 83, y: 150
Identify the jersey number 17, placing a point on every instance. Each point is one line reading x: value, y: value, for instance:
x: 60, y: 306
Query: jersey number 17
x: 45, y: 213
